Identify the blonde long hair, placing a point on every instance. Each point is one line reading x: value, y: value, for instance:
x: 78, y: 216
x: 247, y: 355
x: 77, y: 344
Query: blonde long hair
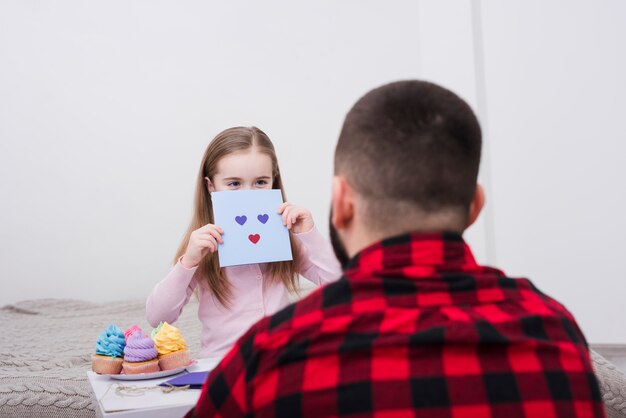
x: 226, y: 142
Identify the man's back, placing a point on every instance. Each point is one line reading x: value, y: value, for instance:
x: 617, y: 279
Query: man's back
x: 415, y: 328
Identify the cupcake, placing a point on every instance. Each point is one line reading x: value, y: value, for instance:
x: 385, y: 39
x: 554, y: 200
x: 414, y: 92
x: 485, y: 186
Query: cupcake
x: 140, y: 356
x: 156, y: 330
x: 130, y: 332
x: 109, y: 351
x: 171, y: 347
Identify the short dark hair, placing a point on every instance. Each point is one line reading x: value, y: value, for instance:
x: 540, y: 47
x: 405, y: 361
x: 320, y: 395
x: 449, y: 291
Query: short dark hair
x: 411, y: 143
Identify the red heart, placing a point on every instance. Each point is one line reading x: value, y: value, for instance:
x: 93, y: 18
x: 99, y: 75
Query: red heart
x: 254, y: 238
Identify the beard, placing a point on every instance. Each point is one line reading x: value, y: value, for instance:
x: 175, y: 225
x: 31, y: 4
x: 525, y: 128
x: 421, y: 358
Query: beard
x: 335, y: 241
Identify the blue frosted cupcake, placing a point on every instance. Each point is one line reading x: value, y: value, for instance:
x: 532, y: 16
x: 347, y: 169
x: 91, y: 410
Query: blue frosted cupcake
x: 109, y: 351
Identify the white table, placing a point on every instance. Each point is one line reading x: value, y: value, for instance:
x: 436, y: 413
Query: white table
x: 153, y: 403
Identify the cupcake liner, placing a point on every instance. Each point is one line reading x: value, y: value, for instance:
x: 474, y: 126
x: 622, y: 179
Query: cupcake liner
x: 174, y: 360
x: 106, y: 364
x: 150, y: 366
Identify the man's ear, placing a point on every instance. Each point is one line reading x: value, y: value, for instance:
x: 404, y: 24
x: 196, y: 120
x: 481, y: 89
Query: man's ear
x: 342, y: 203
x: 476, y: 206
x: 209, y: 186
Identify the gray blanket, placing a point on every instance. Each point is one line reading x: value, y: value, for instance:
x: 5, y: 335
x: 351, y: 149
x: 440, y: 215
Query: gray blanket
x: 46, y: 348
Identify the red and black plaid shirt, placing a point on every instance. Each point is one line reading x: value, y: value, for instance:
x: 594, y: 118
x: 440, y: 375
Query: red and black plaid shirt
x: 415, y: 328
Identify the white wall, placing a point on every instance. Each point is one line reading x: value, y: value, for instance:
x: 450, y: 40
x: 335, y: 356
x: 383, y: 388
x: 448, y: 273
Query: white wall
x: 556, y: 97
x: 447, y: 56
x: 547, y: 80
x: 106, y: 108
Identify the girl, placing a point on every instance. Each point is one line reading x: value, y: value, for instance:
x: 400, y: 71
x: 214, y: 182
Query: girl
x: 231, y: 299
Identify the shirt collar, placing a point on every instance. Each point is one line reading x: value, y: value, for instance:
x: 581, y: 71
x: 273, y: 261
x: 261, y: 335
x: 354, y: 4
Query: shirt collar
x: 434, y: 251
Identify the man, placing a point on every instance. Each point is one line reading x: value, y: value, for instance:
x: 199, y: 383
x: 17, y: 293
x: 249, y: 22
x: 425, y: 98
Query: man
x: 415, y: 327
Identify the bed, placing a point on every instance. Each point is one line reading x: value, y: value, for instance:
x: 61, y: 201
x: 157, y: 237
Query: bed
x: 46, y: 351
x: 46, y: 348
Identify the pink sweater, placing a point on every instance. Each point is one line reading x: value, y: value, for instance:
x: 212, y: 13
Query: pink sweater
x: 221, y: 327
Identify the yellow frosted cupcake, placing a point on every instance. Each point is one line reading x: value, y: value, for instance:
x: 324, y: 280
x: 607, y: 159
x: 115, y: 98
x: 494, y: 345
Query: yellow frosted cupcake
x: 171, y: 347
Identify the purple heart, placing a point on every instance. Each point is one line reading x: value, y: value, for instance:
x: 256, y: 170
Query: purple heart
x: 263, y: 218
x: 241, y: 219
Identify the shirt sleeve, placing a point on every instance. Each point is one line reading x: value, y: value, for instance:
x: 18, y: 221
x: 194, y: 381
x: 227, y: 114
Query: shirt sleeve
x: 318, y: 263
x: 170, y: 295
x: 225, y: 393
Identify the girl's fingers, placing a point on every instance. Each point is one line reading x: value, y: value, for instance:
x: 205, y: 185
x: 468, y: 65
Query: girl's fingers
x: 282, y: 207
x: 286, y: 213
x: 203, y: 243
x: 212, y: 237
x: 209, y: 228
x: 207, y: 242
x: 207, y: 245
x: 295, y: 213
x: 215, y: 234
x: 291, y: 214
x: 210, y: 231
x: 205, y: 228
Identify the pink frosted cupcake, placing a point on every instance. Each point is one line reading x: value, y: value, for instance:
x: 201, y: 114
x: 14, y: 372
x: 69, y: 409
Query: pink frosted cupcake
x: 171, y: 347
x: 140, y: 356
x: 130, y: 331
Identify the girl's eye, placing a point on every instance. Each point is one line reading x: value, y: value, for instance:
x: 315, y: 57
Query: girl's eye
x: 233, y: 184
x: 261, y: 182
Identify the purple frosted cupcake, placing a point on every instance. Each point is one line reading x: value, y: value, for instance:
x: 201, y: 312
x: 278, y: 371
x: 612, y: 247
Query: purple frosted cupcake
x: 140, y: 356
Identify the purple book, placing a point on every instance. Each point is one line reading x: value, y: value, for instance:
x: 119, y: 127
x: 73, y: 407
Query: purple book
x: 195, y: 380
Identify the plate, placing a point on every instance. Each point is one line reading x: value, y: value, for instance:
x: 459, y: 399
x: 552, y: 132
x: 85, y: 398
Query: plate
x: 155, y: 375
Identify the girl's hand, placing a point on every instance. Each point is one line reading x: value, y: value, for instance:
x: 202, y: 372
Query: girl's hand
x: 201, y: 241
x: 296, y: 218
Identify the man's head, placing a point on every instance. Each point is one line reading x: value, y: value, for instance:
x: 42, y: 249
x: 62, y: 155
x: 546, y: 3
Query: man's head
x: 406, y: 160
